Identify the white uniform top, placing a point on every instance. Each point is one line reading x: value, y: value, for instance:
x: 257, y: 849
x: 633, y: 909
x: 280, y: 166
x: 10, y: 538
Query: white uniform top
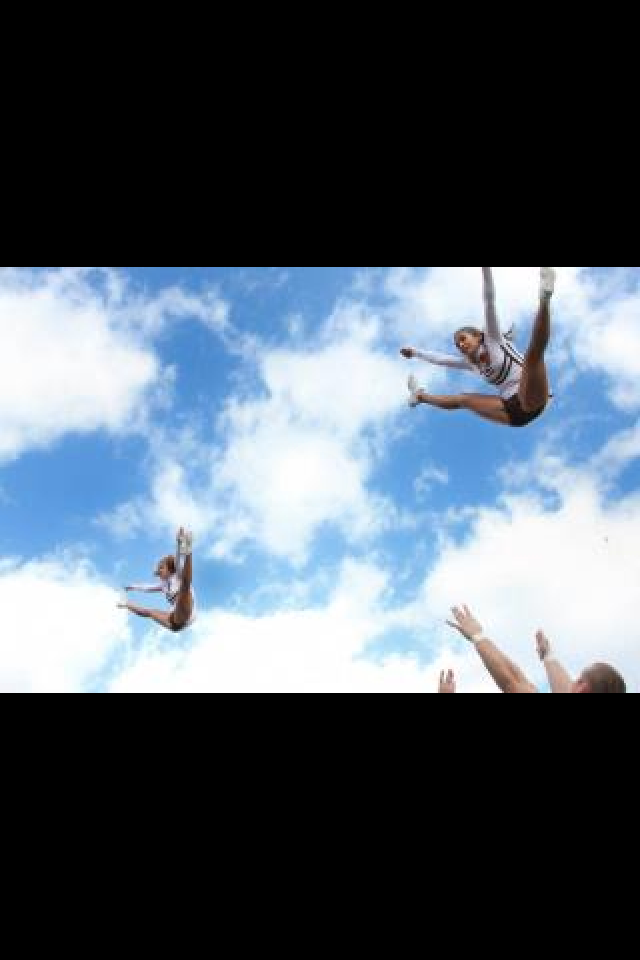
x: 499, y: 363
x: 501, y: 366
x: 171, y: 589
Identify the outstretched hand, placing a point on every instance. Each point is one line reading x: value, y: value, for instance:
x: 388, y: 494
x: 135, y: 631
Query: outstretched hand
x: 447, y: 682
x: 544, y: 646
x: 465, y: 623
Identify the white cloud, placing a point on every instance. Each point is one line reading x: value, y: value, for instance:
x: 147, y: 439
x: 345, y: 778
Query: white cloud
x: 76, y: 357
x: 302, y: 456
x: 427, y: 478
x: 65, y: 367
x: 175, y: 304
x: 60, y: 624
x: 125, y: 522
x: 297, y: 454
x: 608, y: 339
x: 622, y: 449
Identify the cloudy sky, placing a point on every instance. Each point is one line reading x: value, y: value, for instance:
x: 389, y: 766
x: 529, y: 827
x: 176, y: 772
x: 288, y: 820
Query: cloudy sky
x: 266, y: 407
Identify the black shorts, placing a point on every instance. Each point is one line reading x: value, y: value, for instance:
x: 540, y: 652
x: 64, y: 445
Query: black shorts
x: 174, y: 626
x: 518, y: 416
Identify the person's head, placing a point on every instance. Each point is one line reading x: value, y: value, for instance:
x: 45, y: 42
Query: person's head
x: 166, y: 568
x: 600, y: 678
x: 469, y: 340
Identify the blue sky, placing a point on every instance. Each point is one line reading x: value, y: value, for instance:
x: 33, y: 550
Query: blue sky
x: 266, y: 407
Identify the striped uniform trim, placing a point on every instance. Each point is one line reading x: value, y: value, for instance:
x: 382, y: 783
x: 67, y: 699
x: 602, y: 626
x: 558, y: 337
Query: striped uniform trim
x: 511, y: 358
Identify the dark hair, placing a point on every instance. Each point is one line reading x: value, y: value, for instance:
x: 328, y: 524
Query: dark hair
x: 472, y: 331
x: 171, y: 564
x: 476, y: 332
x: 602, y: 678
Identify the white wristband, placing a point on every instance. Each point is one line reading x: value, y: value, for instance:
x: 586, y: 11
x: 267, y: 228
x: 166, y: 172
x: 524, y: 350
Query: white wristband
x: 478, y: 637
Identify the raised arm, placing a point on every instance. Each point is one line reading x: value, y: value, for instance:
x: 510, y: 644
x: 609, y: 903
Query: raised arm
x: 438, y: 359
x: 508, y: 676
x: 559, y: 679
x: 490, y: 309
x: 145, y: 588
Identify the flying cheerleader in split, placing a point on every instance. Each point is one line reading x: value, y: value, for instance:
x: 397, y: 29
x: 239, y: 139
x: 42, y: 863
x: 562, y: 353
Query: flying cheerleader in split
x: 175, y: 581
x: 522, y: 380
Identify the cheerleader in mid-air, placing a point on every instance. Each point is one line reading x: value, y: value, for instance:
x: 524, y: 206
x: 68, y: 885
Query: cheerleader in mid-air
x: 175, y: 580
x: 522, y: 381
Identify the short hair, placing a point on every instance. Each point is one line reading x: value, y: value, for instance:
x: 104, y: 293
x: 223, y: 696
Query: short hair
x: 602, y: 678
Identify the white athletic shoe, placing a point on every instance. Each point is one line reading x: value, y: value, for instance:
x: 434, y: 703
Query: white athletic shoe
x: 185, y: 543
x: 415, y: 390
x: 547, y: 281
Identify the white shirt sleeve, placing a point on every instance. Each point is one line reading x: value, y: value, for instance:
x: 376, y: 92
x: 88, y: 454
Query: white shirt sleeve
x: 148, y: 588
x: 441, y: 360
x: 491, y: 313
